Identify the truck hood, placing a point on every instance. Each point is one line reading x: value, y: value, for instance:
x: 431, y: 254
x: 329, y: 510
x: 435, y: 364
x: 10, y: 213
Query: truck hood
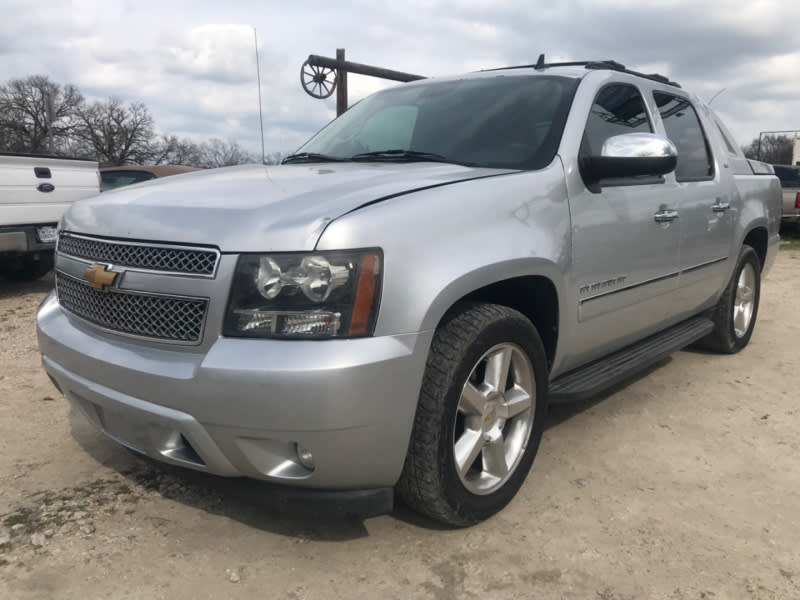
x: 255, y: 208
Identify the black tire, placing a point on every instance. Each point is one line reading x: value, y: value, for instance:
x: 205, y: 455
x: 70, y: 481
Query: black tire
x: 430, y: 483
x: 724, y: 338
x: 28, y: 267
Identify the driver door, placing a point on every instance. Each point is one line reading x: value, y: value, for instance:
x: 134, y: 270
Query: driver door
x: 625, y: 257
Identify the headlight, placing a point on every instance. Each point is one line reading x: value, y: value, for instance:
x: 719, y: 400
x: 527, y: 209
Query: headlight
x: 309, y: 296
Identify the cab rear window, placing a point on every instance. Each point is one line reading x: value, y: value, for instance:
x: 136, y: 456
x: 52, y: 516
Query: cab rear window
x: 789, y: 176
x: 115, y: 179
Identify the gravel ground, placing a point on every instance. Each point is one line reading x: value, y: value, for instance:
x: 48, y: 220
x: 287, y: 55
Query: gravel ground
x: 682, y: 485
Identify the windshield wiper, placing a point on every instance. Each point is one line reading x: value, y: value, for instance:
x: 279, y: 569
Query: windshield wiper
x: 311, y: 157
x: 402, y: 155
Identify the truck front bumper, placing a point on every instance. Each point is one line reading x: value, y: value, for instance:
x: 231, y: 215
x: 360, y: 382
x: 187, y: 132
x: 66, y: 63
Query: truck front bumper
x: 245, y: 407
x: 24, y: 238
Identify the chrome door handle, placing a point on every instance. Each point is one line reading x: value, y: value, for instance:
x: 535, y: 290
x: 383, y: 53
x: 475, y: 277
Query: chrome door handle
x: 720, y: 206
x: 666, y: 216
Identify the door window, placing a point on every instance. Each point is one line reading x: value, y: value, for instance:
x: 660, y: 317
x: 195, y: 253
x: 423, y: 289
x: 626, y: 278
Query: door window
x: 685, y: 131
x: 616, y: 110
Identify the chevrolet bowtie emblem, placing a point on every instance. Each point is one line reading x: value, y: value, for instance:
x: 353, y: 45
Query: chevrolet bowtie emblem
x: 99, y: 277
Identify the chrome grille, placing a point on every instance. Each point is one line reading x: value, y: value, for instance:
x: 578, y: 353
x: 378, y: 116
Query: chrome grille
x: 145, y: 315
x: 172, y: 259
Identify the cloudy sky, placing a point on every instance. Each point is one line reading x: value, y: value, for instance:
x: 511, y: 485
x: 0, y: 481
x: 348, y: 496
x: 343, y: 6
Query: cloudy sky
x: 193, y: 63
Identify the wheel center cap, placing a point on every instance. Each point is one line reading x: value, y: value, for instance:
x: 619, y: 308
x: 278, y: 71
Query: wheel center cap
x: 489, y: 416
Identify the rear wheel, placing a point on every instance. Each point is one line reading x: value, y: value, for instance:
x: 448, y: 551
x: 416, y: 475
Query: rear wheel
x: 735, y: 314
x: 480, y: 415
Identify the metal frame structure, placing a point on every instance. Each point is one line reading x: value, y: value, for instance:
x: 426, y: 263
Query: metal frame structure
x: 795, y: 141
x: 321, y: 75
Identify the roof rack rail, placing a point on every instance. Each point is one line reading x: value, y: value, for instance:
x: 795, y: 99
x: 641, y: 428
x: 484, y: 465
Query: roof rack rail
x: 610, y: 65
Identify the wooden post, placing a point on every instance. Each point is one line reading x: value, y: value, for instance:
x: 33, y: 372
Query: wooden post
x: 341, y: 84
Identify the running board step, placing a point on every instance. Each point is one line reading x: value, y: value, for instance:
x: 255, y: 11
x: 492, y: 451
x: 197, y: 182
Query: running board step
x: 588, y: 381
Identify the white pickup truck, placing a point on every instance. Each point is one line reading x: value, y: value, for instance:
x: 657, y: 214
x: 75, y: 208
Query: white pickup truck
x: 34, y: 193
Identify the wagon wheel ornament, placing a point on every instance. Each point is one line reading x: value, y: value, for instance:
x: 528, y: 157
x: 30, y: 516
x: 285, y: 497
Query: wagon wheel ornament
x: 318, y: 82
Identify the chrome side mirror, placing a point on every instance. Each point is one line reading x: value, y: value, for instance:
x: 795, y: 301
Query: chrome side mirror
x: 630, y: 155
x: 638, y: 145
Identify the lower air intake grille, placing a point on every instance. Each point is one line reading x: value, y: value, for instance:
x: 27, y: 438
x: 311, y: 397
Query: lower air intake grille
x: 157, y: 317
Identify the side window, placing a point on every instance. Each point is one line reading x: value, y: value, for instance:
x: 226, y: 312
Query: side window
x: 685, y: 131
x: 617, y: 109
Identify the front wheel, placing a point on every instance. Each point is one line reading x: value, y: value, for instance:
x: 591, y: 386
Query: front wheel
x: 480, y: 415
x: 735, y: 314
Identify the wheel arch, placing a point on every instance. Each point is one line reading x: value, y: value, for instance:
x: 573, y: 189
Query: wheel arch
x: 758, y: 220
x: 758, y: 239
x: 535, y: 290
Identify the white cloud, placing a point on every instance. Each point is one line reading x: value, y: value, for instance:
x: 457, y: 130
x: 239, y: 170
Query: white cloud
x: 197, y: 74
x: 212, y: 52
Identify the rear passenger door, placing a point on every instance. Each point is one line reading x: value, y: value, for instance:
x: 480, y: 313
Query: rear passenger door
x: 705, y: 188
x: 625, y: 262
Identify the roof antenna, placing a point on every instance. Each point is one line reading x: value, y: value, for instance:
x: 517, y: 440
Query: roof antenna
x: 260, y: 111
x: 540, y: 63
x: 714, y: 97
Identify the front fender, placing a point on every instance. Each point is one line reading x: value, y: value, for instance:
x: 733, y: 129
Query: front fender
x: 487, y: 275
x: 441, y: 244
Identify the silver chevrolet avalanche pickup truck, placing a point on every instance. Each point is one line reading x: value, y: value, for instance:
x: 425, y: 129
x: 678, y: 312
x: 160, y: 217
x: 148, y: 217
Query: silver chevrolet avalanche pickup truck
x: 392, y: 309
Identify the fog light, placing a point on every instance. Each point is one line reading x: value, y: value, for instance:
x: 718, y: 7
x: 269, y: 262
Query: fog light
x: 305, y: 457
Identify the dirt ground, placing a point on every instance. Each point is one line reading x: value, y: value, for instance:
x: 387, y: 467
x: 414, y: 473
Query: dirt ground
x: 684, y: 484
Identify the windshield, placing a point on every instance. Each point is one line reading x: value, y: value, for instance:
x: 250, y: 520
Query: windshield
x: 508, y: 122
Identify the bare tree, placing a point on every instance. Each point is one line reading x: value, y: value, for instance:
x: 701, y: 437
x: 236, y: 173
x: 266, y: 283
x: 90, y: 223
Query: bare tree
x: 210, y: 154
x: 26, y: 106
x: 219, y: 153
x: 110, y: 131
x: 117, y: 134
x: 171, y: 150
x: 773, y: 149
x: 274, y: 158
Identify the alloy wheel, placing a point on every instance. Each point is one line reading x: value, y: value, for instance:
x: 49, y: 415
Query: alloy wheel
x: 494, y: 418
